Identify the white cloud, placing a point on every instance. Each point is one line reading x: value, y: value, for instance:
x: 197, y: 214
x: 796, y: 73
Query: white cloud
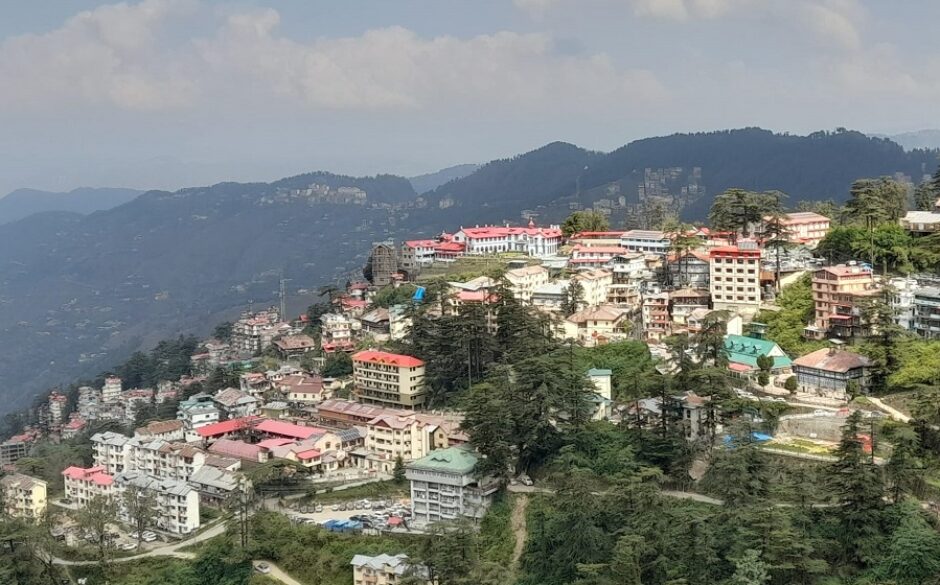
x: 835, y: 21
x: 117, y: 56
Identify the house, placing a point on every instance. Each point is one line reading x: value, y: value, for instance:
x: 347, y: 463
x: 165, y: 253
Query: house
x: 337, y: 328
x: 523, y: 281
x: 292, y: 346
x: 734, y: 278
x: 278, y: 429
x: 214, y: 485
x: 690, y: 269
x: 601, y: 400
x: 84, y: 484
x: 596, y: 325
x: 346, y: 413
x: 245, y: 452
x: 827, y: 372
x: 23, y: 496
x: 385, y: 569
x: 803, y: 227
x: 838, y: 293
x: 645, y: 241
x: 74, y: 427
x: 111, y: 390
x: 13, y: 449
x: 531, y: 241
x: 628, y: 272
x: 694, y: 415
x: 227, y: 429
x: 684, y: 301
x: 610, y: 238
x: 594, y: 284
x: 167, y: 430
x: 742, y: 352
x: 275, y: 410
x: 234, y: 403
x: 583, y: 257
x: 416, y: 254
x: 408, y: 436
x: 389, y: 379
x: 302, y: 389
x: 655, y: 316
x: 550, y: 296
x: 444, y: 486
x: 247, y: 332
x: 921, y: 222
x: 176, y: 503
x: 376, y: 322
x: 197, y: 411
x: 57, y: 404
x: 163, y: 460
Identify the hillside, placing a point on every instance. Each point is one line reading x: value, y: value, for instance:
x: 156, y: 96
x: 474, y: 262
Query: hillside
x: 24, y: 202
x: 815, y: 167
x: 431, y: 181
x: 80, y: 292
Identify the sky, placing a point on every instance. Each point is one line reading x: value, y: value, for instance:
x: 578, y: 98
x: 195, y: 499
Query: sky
x: 172, y: 93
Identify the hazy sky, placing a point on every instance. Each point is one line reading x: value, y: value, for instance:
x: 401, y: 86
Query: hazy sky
x: 170, y: 93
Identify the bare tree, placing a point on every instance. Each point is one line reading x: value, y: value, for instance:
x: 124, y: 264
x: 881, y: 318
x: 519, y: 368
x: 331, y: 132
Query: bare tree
x: 94, y: 520
x: 141, y: 509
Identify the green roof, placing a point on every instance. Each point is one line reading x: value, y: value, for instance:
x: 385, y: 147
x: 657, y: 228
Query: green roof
x: 745, y: 350
x: 451, y: 460
x: 599, y: 372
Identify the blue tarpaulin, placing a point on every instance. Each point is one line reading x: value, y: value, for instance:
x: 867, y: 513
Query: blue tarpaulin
x: 419, y: 295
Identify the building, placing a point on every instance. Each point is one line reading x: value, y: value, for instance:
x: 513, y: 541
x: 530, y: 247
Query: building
x: 803, y: 227
x: 602, y: 400
x: 388, y: 379
x: 734, y: 278
x: 743, y: 350
x: 168, y: 430
x: 838, y: 292
x: 596, y: 238
x: 384, y: 569
x: 115, y: 453
x: 292, y: 346
x: 252, y: 329
x: 84, y: 484
x: 828, y: 372
x: 57, y: 405
x: 376, y: 323
x: 656, y: 316
x: 921, y: 222
x: 215, y: 485
x: 445, y: 487
x: 926, y: 314
x: 346, y: 413
x: 176, y: 507
x: 691, y: 269
x: 594, y: 285
x: 23, y: 496
x: 646, y: 241
x: 197, y: 411
x: 234, y: 403
x: 337, y: 328
x: 382, y: 265
x: 524, y: 281
x: 531, y: 241
x: 409, y: 436
x: 13, y: 449
x: 596, y: 325
x: 628, y: 272
x: 594, y: 256
x: 302, y: 389
x: 111, y: 391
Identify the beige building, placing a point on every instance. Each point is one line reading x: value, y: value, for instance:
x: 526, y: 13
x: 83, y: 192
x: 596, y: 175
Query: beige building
x: 23, y: 496
x: 388, y: 379
x: 734, y: 278
x: 837, y: 291
x: 383, y: 569
x: 804, y: 227
x: 596, y: 325
x: 522, y: 281
x: 595, y: 284
x: 409, y: 436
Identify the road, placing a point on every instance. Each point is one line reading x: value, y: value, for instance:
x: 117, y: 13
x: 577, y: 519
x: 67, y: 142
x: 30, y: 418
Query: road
x: 277, y: 574
x: 170, y: 550
x: 893, y: 412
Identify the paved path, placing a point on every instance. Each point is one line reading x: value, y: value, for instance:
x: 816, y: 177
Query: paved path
x: 277, y: 574
x: 893, y: 412
x: 170, y: 550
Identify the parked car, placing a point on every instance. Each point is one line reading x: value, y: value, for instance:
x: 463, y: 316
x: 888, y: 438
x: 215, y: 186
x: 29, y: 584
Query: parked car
x: 319, y: 508
x: 127, y: 546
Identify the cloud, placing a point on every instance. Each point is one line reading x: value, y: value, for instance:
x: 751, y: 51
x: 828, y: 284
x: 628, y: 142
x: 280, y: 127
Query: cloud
x: 122, y: 56
x: 834, y: 21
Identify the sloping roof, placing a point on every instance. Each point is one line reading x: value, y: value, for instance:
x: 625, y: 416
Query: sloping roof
x: 745, y: 350
x: 285, y: 429
x: 599, y: 372
x: 295, y: 342
x: 20, y: 481
x: 600, y: 313
x: 227, y: 426
x: 457, y: 460
x: 644, y: 235
x: 232, y: 397
x: 214, y: 477
x: 238, y: 449
x: 95, y: 475
x: 398, y: 563
x: 832, y: 361
x: 384, y: 357
x: 160, y: 427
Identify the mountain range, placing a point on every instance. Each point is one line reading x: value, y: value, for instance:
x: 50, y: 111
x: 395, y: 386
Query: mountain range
x: 80, y: 292
x: 25, y: 202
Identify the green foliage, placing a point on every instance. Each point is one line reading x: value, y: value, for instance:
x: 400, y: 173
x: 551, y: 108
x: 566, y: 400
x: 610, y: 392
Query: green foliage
x: 169, y: 360
x: 632, y: 368
x: 574, y: 296
x: 738, y: 210
x: 388, y: 296
x: 913, y: 552
x: 398, y: 474
x: 223, y: 331
x: 749, y: 569
x: 337, y: 365
x: 584, y: 221
x: 796, y: 311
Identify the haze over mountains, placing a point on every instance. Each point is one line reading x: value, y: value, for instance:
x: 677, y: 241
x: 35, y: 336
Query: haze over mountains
x: 90, y: 289
x: 24, y: 202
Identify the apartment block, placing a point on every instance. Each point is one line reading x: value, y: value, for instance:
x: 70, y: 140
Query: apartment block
x: 444, y: 486
x: 838, y: 293
x: 734, y: 278
x: 23, y: 496
x: 388, y: 379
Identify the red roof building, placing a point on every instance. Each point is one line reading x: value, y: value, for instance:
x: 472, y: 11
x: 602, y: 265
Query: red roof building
x: 285, y: 430
x: 227, y: 427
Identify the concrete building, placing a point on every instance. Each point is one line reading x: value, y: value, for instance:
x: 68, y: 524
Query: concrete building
x: 926, y: 322
x: 177, y: 503
x: 388, y: 379
x: 383, y: 263
x: 233, y: 403
x: 524, y: 281
x: 645, y: 241
x: 827, y: 372
x: 684, y: 301
x: 444, y: 486
x: 531, y: 241
x: 550, y: 296
x: 921, y: 222
x: 734, y: 278
x: 596, y: 325
x: 594, y: 285
x: 197, y: 411
x: 691, y: 269
x: 84, y: 484
x: 384, y: 569
x: 23, y: 496
x: 111, y: 391
x: 804, y: 227
x: 602, y: 400
x: 656, y: 316
x: 57, y: 404
x: 837, y: 295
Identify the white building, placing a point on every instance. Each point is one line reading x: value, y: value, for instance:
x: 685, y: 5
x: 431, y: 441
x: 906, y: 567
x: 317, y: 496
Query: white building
x: 112, y: 389
x: 645, y: 241
x: 531, y: 241
x: 177, y: 503
x: 734, y: 278
x: 444, y: 487
x: 594, y: 285
x: 384, y: 569
x: 198, y: 411
x: 524, y: 281
x: 602, y: 400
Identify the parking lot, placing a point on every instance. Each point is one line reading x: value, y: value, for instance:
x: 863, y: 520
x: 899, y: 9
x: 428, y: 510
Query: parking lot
x: 373, y: 514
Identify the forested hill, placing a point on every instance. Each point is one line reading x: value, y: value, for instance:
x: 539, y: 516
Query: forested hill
x: 24, y: 202
x: 819, y: 166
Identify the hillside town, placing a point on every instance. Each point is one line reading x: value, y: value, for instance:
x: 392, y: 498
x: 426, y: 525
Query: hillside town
x: 361, y: 389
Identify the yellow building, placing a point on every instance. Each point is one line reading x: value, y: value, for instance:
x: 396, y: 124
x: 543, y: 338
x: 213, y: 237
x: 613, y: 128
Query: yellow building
x: 388, y: 379
x: 23, y: 496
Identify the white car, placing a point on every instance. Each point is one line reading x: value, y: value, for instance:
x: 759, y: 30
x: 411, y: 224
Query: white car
x: 127, y: 546
x: 263, y: 568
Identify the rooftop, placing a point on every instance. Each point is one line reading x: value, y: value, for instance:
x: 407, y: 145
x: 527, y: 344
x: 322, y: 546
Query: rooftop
x: 745, y: 350
x: 457, y: 460
x: 832, y: 360
x: 383, y: 357
x: 288, y: 430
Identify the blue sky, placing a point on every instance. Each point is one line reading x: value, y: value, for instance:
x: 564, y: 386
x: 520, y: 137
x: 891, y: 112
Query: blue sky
x: 170, y: 93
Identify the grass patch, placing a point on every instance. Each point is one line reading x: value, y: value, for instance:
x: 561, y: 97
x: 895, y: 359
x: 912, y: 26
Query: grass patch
x: 496, y: 538
x: 385, y: 490
x: 799, y: 446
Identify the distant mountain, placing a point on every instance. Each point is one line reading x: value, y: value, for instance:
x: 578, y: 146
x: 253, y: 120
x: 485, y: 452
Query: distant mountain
x: 684, y: 169
x: 80, y: 292
x: 918, y: 139
x: 430, y: 181
x: 24, y: 202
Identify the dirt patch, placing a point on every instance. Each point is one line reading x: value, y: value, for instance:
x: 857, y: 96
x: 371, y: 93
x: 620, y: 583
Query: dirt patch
x: 518, y: 524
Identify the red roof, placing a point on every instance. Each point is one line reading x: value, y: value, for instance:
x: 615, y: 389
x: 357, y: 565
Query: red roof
x: 237, y: 449
x: 499, y: 232
x: 308, y: 454
x: 285, y: 429
x: 734, y: 250
x: 739, y: 367
x: 272, y: 443
x: 384, y: 357
x: 93, y: 474
x: 449, y: 247
x: 227, y: 426
x: 354, y: 303
x: 476, y: 296
x: 580, y: 249
x: 596, y: 235
x: 420, y: 243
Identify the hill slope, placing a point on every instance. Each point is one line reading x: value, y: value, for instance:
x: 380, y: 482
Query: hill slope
x: 24, y: 202
x: 430, y: 181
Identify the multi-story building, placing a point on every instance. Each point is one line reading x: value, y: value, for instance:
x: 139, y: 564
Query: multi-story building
x: 385, y: 570
x: 337, y: 328
x: 176, y: 502
x: 691, y: 269
x: 383, y: 263
x: 388, y: 379
x: 838, y: 292
x: 409, y: 437
x: 804, y: 227
x: 234, y: 403
x: 594, y: 286
x: 13, y: 449
x: 656, y: 316
x: 109, y: 451
x: 57, y: 406
x: 595, y: 238
x: 444, y: 486
x: 197, y: 411
x: 524, y: 281
x: 416, y: 254
x: 684, y: 301
x: 926, y: 320
x: 594, y: 256
x: 645, y: 241
x: 921, y: 222
x: 23, y: 496
x: 550, y: 296
x: 248, y: 331
x: 168, y: 430
x: 734, y: 278
x: 111, y: 391
x: 827, y: 372
x: 596, y: 325
x: 115, y: 453
x: 84, y: 484
x: 531, y: 241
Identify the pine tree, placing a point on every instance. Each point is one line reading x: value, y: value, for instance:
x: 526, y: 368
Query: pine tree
x: 398, y: 473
